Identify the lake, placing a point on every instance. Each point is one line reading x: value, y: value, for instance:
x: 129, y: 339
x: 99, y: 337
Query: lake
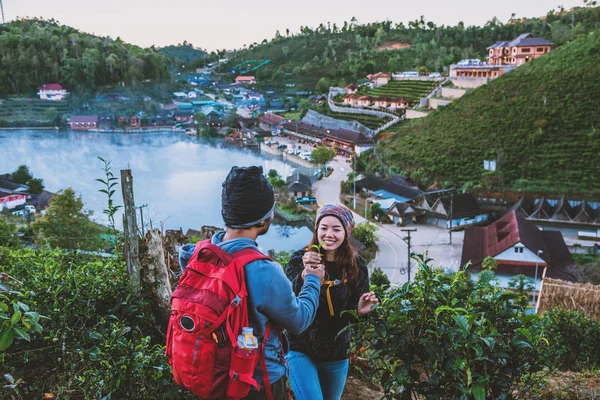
x: 178, y: 176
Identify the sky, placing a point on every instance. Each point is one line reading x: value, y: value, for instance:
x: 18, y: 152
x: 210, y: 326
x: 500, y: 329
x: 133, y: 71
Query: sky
x: 229, y: 24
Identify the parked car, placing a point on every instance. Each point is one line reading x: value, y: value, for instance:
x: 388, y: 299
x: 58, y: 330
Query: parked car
x: 270, y: 142
x: 435, y: 75
x: 306, y: 200
x: 305, y: 156
x: 469, y: 61
x: 282, y: 146
x: 410, y: 74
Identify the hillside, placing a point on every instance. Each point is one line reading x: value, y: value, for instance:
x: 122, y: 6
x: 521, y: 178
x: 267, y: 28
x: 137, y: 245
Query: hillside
x: 33, y: 52
x: 541, y: 122
x: 341, y: 54
x: 183, y: 53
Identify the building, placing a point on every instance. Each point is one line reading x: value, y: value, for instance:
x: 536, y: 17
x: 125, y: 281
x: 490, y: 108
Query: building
x: 245, y: 80
x: 214, y: 118
x: 346, y: 142
x: 105, y: 121
x: 447, y: 209
x: 52, y: 91
x: 479, y: 71
x: 518, y: 246
x: 299, y: 185
x: 269, y: 120
x: 379, y: 79
x: 351, y: 88
x: 389, y: 188
x: 9, y: 201
x: 519, y: 51
x: 135, y: 121
x: 183, y: 116
x: 83, y: 122
x: 577, y: 218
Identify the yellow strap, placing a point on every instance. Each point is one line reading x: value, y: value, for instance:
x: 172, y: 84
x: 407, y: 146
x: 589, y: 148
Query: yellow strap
x: 328, y: 293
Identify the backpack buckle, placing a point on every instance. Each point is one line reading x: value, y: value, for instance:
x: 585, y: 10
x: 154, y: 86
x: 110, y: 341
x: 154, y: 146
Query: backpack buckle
x: 236, y: 301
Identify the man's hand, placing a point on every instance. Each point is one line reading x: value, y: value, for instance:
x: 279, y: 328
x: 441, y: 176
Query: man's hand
x: 318, y: 270
x: 311, y: 258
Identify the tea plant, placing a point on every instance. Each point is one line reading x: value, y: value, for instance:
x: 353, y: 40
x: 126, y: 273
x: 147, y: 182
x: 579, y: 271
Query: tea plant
x: 443, y: 336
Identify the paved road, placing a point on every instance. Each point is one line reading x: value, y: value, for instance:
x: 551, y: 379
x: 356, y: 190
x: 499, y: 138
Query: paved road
x: 392, y: 254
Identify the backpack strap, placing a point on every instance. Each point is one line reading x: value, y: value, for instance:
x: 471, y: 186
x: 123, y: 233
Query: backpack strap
x: 263, y: 363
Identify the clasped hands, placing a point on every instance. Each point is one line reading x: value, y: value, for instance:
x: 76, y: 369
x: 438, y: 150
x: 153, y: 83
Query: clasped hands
x: 313, y: 265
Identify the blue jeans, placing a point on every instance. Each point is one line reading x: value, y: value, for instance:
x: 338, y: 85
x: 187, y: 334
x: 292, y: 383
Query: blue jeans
x: 316, y: 380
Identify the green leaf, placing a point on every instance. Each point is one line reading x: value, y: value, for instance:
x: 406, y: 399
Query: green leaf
x: 6, y: 339
x: 478, y: 391
x: 22, y: 334
x: 16, y: 317
x: 462, y: 323
x: 3, y: 307
x: 489, y: 341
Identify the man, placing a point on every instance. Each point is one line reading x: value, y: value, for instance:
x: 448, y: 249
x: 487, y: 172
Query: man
x: 247, y: 204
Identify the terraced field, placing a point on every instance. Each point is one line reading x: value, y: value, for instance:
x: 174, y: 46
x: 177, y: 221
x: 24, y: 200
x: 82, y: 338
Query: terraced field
x: 31, y: 110
x: 410, y: 90
x: 370, y: 121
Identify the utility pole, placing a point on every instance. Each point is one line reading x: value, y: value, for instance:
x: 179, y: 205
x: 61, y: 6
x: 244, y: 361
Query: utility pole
x: 354, y: 172
x: 141, y: 208
x: 451, y: 214
x: 539, y: 253
x: 408, y: 231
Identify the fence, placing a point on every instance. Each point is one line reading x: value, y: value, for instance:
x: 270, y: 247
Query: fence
x: 556, y: 293
x: 365, y: 111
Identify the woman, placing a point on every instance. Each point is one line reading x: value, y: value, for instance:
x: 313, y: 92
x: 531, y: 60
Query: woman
x: 318, y: 359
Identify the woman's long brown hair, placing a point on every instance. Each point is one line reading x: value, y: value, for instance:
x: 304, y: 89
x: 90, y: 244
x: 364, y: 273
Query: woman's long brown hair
x: 346, y: 259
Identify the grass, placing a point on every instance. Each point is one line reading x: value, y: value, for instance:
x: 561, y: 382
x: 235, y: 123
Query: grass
x: 541, y: 122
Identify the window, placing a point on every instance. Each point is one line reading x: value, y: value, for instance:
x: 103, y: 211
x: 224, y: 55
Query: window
x: 519, y: 249
x: 540, y: 49
x: 526, y: 50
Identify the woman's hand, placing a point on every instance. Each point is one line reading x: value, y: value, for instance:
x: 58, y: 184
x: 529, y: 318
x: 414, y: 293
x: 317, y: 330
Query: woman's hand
x: 311, y: 259
x: 366, y: 303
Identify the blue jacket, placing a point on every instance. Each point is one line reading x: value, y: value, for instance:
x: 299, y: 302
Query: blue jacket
x: 270, y: 298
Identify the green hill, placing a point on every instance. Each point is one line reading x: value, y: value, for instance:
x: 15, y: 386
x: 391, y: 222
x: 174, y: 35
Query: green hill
x: 34, y: 52
x: 541, y: 122
x: 183, y: 53
x: 341, y: 54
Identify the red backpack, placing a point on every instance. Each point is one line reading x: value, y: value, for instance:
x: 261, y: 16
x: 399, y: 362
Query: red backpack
x: 208, y: 311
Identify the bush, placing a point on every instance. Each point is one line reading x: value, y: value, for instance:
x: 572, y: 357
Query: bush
x: 575, y: 340
x: 380, y: 279
x: 99, y: 340
x: 443, y: 336
x: 365, y: 233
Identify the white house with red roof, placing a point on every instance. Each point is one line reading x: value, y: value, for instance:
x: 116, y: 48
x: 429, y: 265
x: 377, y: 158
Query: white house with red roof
x: 52, y: 91
x: 245, y: 80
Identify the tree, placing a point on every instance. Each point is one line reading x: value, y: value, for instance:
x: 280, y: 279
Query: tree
x: 51, y: 114
x: 489, y: 263
x: 22, y: 175
x: 323, y: 85
x: 380, y: 279
x: 36, y: 185
x: 322, y: 155
x: 8, y: 233
x: 66, y: 224
x: 365, y: 233
x: 272, y: 173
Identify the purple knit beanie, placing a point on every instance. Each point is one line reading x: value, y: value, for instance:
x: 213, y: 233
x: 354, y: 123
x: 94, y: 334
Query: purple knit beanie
x: 340, y: 211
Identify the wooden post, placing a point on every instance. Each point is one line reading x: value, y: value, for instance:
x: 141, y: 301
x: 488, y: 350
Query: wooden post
x: 155, y: 275
x: 132, y: 251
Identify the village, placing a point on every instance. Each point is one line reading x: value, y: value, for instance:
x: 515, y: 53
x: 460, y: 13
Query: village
x: 533, y: 236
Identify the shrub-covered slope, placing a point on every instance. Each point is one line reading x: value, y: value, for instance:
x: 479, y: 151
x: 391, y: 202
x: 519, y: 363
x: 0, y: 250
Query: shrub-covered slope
x: 34, y: 52
x: 541, y: 122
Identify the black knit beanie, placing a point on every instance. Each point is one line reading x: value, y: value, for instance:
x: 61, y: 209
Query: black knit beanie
x: 247, y: 198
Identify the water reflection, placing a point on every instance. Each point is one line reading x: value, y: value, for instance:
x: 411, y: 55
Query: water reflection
x: 178, y: 176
